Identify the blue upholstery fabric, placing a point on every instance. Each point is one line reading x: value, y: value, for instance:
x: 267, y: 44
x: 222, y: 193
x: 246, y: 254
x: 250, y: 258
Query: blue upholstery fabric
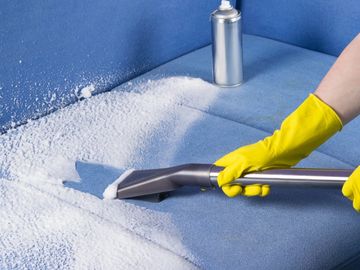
x: 52, y: 48
x: 292, y: 228
x: 49, y: 49
x: 325, y: 26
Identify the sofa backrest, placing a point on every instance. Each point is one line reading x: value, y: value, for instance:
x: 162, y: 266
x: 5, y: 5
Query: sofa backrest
x: 51, y: 49
x: 321, y: 25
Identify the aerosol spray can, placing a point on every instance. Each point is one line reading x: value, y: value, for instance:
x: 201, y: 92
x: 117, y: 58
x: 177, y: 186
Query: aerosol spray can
x: 227, y: 45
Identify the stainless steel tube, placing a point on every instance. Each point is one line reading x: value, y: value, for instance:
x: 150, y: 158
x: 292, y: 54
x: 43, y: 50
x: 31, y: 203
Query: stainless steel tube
x: 290, y: 177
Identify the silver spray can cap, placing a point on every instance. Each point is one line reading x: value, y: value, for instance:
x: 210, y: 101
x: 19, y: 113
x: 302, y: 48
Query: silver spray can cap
x: 227, y: 46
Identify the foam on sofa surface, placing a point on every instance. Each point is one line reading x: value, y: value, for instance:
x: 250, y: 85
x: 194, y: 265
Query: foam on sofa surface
x: 50, y: 51
x: 163, y: 119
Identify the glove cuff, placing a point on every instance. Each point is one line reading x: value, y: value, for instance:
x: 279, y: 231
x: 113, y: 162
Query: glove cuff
x: 309, y: 126
x: 328, y: 111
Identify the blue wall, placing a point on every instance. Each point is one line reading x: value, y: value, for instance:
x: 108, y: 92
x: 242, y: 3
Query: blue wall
x: 48, y: 49
x: 321, y: 25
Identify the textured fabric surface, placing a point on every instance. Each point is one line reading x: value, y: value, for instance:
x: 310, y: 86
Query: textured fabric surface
x: 290, y: 229
x: 49, y: 51
x: 325, y: 26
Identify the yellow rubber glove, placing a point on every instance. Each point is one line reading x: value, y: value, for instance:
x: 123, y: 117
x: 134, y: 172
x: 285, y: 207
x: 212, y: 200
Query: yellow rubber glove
x: 310, y: 125
x: 351, y: 189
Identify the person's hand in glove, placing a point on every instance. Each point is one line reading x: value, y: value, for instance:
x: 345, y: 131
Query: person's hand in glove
x: 335, y: 102
x: 311, y: 124
x: 351, y: 189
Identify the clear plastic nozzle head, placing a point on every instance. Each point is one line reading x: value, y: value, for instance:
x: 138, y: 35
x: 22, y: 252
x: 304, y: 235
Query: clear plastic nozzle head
x: 225, y: 5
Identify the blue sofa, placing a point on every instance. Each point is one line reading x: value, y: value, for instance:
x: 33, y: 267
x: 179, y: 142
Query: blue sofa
x: 48, y: 50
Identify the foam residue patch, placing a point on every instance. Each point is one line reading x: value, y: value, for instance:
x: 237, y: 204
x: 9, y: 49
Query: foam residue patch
x: 49, y: 226
x: 113, y: 128
x: 111, y: 190
x: 87, y: 91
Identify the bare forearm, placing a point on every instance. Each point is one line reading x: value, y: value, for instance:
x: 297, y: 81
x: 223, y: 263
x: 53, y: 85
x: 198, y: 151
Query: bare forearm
x: 340, y: 88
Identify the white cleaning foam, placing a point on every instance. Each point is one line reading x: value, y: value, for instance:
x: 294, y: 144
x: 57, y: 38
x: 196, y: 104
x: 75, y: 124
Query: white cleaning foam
x: 112, y: 129
x: 87, y: 91
x: 55, y: 227
x: 111, y: 190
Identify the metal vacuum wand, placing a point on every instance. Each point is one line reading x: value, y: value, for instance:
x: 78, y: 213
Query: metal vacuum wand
x: 290, y: 177
x: 137, y: 183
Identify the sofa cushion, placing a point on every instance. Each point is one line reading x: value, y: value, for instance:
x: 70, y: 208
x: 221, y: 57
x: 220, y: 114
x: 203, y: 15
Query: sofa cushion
x: 290, y: 229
